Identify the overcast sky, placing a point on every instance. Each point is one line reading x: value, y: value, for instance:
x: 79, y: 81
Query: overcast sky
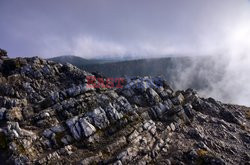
x: 94, y: 28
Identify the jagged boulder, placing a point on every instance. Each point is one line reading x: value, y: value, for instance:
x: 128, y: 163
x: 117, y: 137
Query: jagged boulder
x: 99, y: 118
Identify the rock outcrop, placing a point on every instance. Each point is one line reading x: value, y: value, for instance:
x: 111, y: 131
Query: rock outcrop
x: 48, y: 115
x: 3, y: 53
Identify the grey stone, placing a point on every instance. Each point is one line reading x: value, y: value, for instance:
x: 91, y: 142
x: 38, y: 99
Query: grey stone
x: 230, y: 117
x: 71, y: 124
x: 153, y: 97
x: 3, y: 53
x: 245, y: 137
x: 172, y: 126
x: 196, y: 133
x: 2, y: 113
x: 123, y: 104
x: 112, y: 113
x: 179, y: 99
x: 47, y: 133
x: 128, y: 92
x: 57, y: 129
x: 173, y: 111
x: 88, y: 129
x: 139, y: 100
x: 158, y: 111
x: 162, y: 93
x: 99, y: 118
x: 189, y: 111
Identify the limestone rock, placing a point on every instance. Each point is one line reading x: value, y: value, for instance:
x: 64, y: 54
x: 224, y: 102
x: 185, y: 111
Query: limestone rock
x: 48, y: 115
x: 88, y: 129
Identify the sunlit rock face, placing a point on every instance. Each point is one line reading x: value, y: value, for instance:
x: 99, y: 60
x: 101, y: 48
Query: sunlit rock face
x: 49, y: 116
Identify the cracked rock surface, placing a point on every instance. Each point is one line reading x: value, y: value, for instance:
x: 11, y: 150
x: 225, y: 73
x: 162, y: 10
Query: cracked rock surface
x: 49, y: 116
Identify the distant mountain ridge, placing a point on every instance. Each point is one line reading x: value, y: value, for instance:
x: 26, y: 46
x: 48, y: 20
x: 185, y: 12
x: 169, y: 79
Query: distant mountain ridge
x: 75, y: 60
x: 80, y: 61
x: 180, y: 72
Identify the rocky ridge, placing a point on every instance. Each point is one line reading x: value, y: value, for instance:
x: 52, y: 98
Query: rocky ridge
x: 49, y: 116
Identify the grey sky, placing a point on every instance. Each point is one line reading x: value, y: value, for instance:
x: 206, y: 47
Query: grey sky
x: 92, y: 28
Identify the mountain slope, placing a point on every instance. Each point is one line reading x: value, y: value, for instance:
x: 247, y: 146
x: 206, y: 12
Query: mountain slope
x: 74, y: 60
x: 48, y: 115
x: 79, y: 61
x: 181, y: 72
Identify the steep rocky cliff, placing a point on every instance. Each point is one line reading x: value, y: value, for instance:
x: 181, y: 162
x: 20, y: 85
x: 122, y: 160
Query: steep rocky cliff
x: 48, y: 115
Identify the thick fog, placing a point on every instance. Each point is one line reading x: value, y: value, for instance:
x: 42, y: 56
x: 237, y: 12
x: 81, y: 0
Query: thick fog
x: 138, y: 28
